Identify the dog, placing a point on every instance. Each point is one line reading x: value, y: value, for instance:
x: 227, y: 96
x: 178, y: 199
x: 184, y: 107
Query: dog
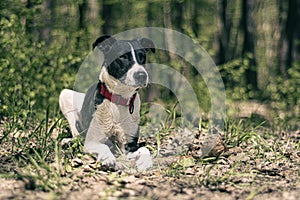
x: 107, y: 116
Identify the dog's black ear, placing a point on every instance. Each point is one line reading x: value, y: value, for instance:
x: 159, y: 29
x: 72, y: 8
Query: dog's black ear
x: 104, y: 43
x: 147, y: 44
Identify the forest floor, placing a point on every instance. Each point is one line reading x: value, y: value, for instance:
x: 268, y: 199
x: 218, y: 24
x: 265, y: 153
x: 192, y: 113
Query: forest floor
x: 251, y: 163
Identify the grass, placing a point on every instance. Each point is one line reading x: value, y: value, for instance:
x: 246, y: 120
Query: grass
x: 243, y: 135
x: 32, y: 152
x: 33, y: 148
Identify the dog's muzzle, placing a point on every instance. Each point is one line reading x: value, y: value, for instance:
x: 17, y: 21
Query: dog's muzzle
x: 141, y: 78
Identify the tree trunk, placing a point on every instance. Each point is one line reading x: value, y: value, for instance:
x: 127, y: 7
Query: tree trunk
x: 297, y: 53
x: 93, y: 19
x: 29, y: 20
x: 224, y: 34
x: 152, y: 92
x: 195, y: 23
x: 107, y: 9
x: 176, y: 15
x: 82, y: 10
x: 248, y: 52
x: 288, y: 40
x: 48, y: 13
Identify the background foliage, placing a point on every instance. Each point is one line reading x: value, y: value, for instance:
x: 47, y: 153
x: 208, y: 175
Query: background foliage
x: 254, y: 43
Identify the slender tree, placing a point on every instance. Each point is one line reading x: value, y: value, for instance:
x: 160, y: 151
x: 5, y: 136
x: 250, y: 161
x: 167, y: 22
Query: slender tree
x: 48, y: 13
x: 297, y: 56
x: 82, y: 12
x: 289, y: 29
x: 107, y: 10
x: 224, y: 35
x: 248, y: 51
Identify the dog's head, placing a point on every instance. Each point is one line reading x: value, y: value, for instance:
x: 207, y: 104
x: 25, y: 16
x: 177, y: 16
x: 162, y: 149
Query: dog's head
x: 124, y: 60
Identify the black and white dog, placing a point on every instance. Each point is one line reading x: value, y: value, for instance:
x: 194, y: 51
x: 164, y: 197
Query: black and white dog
x: 108, y: 114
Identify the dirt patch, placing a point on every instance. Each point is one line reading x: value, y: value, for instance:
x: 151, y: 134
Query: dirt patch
x: 263, y: 167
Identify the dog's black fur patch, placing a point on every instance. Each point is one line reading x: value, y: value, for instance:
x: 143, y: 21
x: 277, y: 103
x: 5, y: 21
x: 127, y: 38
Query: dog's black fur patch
x: 117, y: 53
x: 120, y: 66
x: 132, y: 146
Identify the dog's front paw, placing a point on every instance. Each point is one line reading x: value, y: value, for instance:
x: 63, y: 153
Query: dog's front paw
x: 107, y: 160
x: 104, y: 155
x: 142, y: 157
x: 144, y: 162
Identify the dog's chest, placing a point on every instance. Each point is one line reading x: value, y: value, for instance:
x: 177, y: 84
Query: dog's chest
x: 116, y: 119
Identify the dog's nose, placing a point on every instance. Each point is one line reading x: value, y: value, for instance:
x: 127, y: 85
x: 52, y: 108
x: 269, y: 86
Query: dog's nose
x: 140, y: 77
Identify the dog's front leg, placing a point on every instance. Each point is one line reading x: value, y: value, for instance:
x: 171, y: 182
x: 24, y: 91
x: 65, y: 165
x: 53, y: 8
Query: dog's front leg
x: 94, y: 143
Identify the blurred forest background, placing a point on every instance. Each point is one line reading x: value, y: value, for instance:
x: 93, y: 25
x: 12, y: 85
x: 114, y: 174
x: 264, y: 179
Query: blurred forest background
x: 255, y: 44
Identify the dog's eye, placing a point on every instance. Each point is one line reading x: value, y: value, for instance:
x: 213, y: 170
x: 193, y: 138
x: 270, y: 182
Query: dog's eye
x: 141, y: 58
x: 124, y: 56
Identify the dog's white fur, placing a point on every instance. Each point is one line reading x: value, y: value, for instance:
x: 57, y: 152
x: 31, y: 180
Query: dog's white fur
x: 70, y: 103
x: 108, y: 120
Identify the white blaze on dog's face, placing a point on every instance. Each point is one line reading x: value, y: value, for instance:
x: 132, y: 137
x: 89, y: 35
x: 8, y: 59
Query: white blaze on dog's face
x: 136, y: 76
x: 125, y: 60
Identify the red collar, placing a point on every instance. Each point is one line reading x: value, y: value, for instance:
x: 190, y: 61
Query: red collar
x: 116, y: 98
